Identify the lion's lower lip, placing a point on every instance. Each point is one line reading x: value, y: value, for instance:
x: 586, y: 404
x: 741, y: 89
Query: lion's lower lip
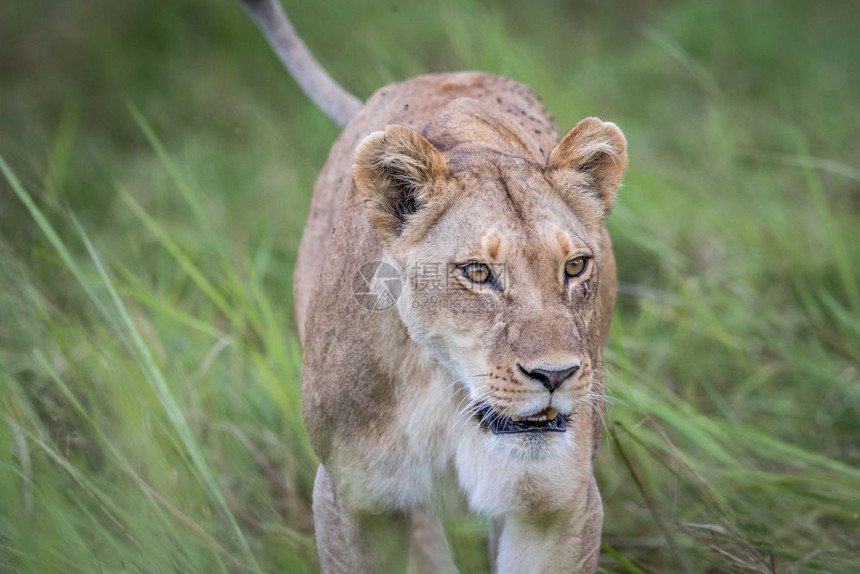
x: 500, y: 424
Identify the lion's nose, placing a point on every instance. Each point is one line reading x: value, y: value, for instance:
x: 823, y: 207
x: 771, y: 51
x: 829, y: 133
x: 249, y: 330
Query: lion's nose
x: 551, y: 379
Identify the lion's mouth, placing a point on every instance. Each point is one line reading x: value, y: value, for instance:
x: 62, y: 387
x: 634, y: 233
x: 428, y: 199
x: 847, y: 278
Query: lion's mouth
x: 547, y: 420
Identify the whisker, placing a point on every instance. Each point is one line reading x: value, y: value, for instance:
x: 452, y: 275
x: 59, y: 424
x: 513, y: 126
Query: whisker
x: 473, y: 406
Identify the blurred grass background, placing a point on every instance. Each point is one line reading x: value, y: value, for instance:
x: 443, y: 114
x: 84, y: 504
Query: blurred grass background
x: 157, y: 169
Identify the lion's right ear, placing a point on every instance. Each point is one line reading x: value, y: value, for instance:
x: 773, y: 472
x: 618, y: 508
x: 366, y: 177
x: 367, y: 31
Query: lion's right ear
x: 396, y: 172
x: 591, y: 157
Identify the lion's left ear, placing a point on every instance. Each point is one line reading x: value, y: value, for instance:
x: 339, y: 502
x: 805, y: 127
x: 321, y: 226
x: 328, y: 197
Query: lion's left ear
x: 592, y: 155
x: 397, y: 172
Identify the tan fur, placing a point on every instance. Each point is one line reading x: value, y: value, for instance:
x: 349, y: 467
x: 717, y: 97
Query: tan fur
x: 451, y: 169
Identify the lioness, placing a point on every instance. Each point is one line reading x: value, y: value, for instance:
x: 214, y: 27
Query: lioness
x: 482, y: 375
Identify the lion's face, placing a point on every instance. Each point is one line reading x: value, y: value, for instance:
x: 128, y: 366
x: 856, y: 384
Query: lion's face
x: 502, y: 263
x: 510, y: 302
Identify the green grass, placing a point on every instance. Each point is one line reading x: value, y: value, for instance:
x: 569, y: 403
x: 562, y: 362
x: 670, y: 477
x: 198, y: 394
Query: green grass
x: 157, y: 167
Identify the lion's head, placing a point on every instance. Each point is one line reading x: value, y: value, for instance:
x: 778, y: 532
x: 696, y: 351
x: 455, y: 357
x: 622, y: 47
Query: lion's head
x: 500, y: 246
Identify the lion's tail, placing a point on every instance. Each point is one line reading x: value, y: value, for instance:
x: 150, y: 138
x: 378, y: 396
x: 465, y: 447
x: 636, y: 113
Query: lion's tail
x: 327, y: 94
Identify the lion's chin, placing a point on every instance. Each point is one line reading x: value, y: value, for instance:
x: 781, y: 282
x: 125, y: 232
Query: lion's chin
x: 548, y: 420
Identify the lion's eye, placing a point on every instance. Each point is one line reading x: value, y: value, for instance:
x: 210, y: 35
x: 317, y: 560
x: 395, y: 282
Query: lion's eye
x: 576, y: 267
x: 477, y: 273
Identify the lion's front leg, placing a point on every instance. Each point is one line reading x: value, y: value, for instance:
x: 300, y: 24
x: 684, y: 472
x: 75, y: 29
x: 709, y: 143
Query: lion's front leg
x: 357, y: 544
x: 429, y: 552
x: 562, y: 541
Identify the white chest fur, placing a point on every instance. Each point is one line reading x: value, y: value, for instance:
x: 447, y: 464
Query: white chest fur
x: 435, y: 454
